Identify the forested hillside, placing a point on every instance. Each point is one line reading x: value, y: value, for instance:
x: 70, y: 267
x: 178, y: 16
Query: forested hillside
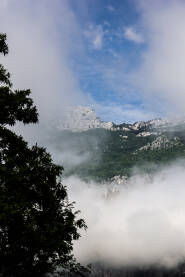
x: 115, y: 151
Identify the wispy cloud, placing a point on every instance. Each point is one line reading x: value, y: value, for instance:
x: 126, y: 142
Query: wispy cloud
x: 131, y: 34
x: 123, y: 113
x: 95, y: 35
x: 110, y: 8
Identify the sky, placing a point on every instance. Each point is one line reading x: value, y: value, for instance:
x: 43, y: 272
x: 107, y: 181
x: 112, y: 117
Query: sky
x: 123, y: 58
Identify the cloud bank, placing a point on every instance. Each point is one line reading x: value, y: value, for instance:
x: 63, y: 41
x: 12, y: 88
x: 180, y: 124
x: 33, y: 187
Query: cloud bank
x: 40, y: 38
x: 138, y: 224
x: 161, y: 73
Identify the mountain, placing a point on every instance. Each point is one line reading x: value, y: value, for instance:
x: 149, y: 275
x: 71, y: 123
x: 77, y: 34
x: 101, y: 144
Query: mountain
x: 79, y: 119
x: 103, y: 150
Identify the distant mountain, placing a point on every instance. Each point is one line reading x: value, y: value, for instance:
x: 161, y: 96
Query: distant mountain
x: 78, y: 119
x: 81, y: 118
x: 113, y: 150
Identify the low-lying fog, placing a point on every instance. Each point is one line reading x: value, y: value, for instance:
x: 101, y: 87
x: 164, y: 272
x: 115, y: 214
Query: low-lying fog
x: 141, y: 223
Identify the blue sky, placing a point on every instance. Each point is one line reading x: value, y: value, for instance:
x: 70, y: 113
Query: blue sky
x: 113, y: 44
x: 124, y: 58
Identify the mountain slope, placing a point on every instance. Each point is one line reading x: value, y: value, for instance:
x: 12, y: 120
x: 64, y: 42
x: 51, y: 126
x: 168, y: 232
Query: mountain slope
x: 112, y: 150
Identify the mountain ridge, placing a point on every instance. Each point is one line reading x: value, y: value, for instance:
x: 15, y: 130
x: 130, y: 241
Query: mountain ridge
x: 102, y: 150
x: 83, y: 118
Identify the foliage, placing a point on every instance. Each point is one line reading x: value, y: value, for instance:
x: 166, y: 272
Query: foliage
x: 37, y: 223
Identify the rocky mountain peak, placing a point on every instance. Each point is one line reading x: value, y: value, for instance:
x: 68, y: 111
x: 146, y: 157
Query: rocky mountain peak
x: 82, y: 118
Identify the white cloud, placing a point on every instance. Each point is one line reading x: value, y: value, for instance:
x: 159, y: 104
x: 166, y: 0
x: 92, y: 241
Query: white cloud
x: 95, y: 35
x: 131, y: 34
x: 162, y: 71
x: 138, y: 224
x: 41, y: 38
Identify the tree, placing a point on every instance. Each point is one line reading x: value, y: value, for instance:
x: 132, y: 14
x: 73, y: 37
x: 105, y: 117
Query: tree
x: 37, y: 223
